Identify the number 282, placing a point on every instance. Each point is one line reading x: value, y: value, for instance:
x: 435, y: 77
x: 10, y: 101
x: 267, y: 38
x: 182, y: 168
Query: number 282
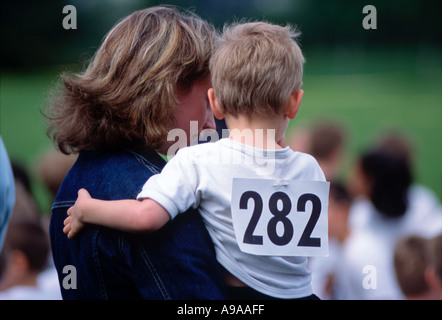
x: 280, y: 216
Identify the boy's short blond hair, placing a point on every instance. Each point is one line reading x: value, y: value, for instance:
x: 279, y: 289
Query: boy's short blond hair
x: 255, y: 68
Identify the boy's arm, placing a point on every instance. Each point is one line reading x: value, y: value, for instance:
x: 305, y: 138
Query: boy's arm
x: 124, y: 215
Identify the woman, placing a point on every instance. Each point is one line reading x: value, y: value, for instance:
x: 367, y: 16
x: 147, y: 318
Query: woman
x: 149, y: 76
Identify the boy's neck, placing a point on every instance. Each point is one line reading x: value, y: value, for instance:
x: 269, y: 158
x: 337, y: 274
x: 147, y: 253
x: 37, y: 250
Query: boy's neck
x: 256, y: 131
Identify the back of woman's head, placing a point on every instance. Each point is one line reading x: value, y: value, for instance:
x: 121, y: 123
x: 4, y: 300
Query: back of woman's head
x: 389, y: 177
x: 126, y: 96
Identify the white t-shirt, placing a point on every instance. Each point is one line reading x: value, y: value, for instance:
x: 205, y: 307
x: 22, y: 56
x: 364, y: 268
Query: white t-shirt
x: 201, y: 177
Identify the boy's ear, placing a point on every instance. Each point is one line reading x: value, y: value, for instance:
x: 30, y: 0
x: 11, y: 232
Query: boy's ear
x: 216, y: 109
x: 294, y: 103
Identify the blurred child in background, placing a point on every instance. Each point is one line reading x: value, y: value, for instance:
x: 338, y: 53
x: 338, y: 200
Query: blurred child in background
x: 417, y: 263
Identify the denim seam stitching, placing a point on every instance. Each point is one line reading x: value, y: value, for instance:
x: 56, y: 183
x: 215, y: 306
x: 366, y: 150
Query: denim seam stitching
x: 146, y: 163
x: 61, y: 204
x: 96, y: 257
x: 155, y: 275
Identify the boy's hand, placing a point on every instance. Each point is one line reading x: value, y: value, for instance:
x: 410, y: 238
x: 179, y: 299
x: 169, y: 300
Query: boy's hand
x: 73, y: 223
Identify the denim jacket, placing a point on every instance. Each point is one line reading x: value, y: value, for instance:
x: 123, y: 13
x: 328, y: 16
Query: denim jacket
x: 176, y: 262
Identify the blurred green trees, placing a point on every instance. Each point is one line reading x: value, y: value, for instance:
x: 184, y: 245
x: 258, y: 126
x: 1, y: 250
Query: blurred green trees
x: 32, y: 33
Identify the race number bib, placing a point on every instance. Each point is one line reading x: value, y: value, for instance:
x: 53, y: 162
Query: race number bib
x: 281, y: 217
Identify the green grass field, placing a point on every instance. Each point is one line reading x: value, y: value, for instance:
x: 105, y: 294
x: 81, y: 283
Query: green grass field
x: 366, y: 92
x: 378, y: 92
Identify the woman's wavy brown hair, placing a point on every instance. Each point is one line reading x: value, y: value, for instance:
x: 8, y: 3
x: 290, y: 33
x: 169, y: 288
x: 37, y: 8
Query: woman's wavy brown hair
x: 126, y: 96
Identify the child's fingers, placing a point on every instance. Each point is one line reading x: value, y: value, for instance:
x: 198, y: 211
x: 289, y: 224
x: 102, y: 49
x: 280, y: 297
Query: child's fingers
x: 71, y: 234
x: 83, y: 193
x: 67, y: 229
x: 67, y: 221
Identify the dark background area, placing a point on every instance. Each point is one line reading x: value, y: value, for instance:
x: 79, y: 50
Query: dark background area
x: 32, y: 34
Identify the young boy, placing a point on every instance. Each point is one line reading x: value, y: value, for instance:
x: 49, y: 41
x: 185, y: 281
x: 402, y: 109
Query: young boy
x: 256, y: 76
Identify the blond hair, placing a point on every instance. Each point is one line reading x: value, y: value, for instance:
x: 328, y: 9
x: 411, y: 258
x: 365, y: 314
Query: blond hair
x: 255, y: 68
x: 410, y: 261
x: 126, y: 96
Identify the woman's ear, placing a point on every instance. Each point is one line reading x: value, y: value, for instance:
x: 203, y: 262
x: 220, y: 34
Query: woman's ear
x: 216, y: 109
x: 294, y: 103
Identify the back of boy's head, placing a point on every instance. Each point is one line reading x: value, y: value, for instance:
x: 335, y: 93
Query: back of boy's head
x: 255, y: 68
x: 326, y: 139
x: 410, y: 260
x: 30, y: 238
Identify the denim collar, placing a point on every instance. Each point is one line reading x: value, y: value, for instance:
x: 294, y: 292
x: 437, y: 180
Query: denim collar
x: 150, y: 157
